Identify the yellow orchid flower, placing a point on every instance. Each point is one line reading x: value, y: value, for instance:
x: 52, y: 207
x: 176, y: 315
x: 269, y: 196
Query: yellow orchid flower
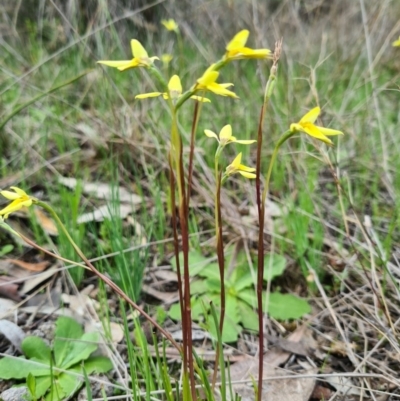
x: 396, y: 43
x: 19, y: 200
x: 236, y: 50
x: 306, y: 124
x: 225, y: 136
x: 140, y: 58
x: 237, y: 167
x: 175, y: 91
x: 166, y: 59
x: 208, y: 82
x: 170, y: 25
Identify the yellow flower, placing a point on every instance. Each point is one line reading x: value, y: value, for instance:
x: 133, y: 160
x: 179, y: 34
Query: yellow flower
x: 170, y: 24
x: 166, y: 59
x: 175, y: 91
x: 19, y: 199
x: 208, y: 82
x: 140, y: 58
x: 306, y: 124
x: 237, y: 167
x: 225, y: 136
x: 396, y: 43
x: 236, y: 50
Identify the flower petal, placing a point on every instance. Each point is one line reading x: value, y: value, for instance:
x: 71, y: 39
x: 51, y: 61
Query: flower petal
x: 10, y: 195
x: 138, y: 50
x: 220, y: 90
x: 247, y: 175
x: 242, y: 167
x: 238, y: 41
x: 15, y: 206
x: 211, y: 134
x: 311, y: 116
x: 19, y: 191
x: 208, y: 78
x: 396, y: 43
x: 245, y: 141
x: 225, y: 133
x: 146, y: 95
x: 236, y: 161
x: 175, y: 86
x: 121, y: 65
x: 329, y: 132
x: 313, y: 131
x: 201, y: 99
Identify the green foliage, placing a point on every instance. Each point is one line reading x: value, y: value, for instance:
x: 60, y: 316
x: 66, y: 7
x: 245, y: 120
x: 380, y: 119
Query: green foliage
x: 56, y: 373
x: 241, y: 298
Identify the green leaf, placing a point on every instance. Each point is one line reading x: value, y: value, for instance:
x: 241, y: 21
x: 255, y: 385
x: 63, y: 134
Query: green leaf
x: 197, y: 262
x: 243, y: 282
x: 69, y: 384
x: 80, y: 349
x: 249, y: 296
x: 274, y: 265
x: 42, y: 385
x: 35, y: 348
x: 287, y: 306
x: 56, y: 392
x: 198, y: 287
x: 19, y: 368
x: 67, y: 330
x: 211, y: 271
x: 248, y: 317
x: 175, y: 312
x: 6, y: 249
x: 98, y: 364
x: 31, y: 384
x: 213, y: 285
x: 231, y: 328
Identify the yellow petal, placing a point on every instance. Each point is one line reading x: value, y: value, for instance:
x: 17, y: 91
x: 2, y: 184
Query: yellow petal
x: 313, y: 131
x: 146, y: 95
x: 208, y: 78
x: 201, y: 99
x: 220, y: 90
x: 19, y: 191
x: 238, y: 41
x: 247, y: 175
x: 396, y: 43
x: 245, y: 141
x: 121, y: 65
x: 226, y: 132
x: 311, y: 116
x: 10, y: 195
x: 255, y: 53
x: 329, y: 131
x: 211, y: 134
x: 175, y: 86
x: 242, y: 167
x: 15, y: 206
x: 237, y: 160
x: 138, y: 50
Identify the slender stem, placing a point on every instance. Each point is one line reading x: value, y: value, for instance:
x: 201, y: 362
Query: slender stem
x: 221, y: 257
x: 104, y: 278
x: 261, y: 216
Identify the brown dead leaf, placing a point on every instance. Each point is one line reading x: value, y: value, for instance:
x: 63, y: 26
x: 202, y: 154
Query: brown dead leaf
x: 8, y: 289
x: 32, y: 267
x: 166, y: 297
x: 103, y: 190
x: 46, y: 222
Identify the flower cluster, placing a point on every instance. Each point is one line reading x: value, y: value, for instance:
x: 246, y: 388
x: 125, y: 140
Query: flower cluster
x: 19, y: 200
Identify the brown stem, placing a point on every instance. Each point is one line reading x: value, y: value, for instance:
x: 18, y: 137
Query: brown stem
x: 178, y: 265
x: 191, y: 153
x: 260, y: 257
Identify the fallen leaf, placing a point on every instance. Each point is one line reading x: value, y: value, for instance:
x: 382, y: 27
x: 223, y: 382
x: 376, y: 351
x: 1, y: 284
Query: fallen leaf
x: 13, y: 333
x: 344, y: 385
x: 102, y: 190
x: 105, y: 212
x: 46, y: 222
x: 38, y: 279
x: 32, y: 267
x: 7, y: 307
x: 9, y: 289
x: 166, y: 297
